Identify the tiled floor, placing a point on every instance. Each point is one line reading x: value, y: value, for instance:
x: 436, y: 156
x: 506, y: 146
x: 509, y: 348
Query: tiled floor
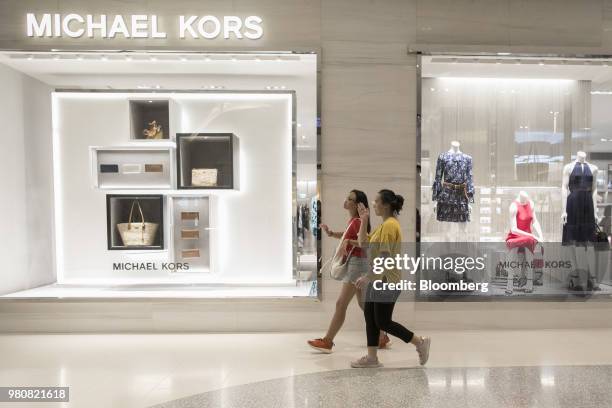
x: 139, y: 370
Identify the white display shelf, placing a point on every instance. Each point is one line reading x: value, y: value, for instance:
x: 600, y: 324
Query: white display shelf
x: 192, y: 232
x: 133, y: 167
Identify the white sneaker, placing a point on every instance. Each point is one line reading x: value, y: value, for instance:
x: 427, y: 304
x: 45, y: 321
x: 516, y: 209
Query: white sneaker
x: 366, y: 362
x: 423, y: 350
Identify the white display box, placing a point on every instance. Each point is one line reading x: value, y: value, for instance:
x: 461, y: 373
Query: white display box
x: 193, y: 232
x: 132, y: 167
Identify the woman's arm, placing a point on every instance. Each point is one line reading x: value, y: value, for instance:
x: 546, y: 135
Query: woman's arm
x: 364, y: 215
x: 331, y: 233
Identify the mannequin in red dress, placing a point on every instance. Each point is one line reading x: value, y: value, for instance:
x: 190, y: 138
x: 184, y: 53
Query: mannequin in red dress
x: 521, y: 240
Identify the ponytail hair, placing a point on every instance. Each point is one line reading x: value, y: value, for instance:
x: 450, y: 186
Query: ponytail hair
x: 361, y: 197
x: 395, y: 201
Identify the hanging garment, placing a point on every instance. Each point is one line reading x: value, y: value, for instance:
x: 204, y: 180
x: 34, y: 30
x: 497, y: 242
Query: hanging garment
x: 453, y: 187
x: 580, y: 226
x: 524, y: 217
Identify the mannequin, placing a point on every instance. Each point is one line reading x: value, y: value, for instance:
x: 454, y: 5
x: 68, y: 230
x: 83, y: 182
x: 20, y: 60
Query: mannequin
x: 579, y: 217
x: 525, y: 233
x: 453, y: 190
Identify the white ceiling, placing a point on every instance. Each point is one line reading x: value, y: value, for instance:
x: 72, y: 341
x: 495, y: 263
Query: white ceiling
x: 180, y: 71
x: 599, y: 71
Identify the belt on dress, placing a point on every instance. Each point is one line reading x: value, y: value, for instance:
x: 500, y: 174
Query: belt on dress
x: 457, y: 187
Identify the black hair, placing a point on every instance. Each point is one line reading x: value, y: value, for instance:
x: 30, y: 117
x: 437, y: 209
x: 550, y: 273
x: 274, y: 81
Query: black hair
x: 361, y: 197
x: 395, y: 201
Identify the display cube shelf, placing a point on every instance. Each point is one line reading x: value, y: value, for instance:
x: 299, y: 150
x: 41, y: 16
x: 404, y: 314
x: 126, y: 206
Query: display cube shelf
x: 125, y: 235
x: 207, y: 161
x: 132, y: 167
x: 191, y: 232
x: 148, y: 113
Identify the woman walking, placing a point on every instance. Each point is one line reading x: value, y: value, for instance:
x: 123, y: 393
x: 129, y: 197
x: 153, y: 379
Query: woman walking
x: 384, y: 242
x: 357, y: 267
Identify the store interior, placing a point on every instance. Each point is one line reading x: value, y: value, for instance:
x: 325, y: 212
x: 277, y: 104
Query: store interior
x: 522, y: 120
x: 174, y: 174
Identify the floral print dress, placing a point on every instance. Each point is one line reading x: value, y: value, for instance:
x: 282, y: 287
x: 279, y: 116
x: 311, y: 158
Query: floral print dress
x: 455, y: 168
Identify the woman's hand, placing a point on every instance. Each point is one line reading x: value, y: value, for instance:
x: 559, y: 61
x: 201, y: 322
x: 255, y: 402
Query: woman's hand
x: 364, y: 212
x: 326, y: 229
x: 362, y: 282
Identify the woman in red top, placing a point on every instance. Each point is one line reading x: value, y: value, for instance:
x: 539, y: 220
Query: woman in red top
x: 357, y: 267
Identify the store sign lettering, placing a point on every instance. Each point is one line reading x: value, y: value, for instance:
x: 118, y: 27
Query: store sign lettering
x: 141, y: 26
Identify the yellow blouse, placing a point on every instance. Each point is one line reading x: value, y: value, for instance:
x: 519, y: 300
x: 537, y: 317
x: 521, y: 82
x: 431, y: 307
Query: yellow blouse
x: 386, y: 239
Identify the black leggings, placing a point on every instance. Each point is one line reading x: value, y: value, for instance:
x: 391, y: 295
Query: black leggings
x: 378, y: 310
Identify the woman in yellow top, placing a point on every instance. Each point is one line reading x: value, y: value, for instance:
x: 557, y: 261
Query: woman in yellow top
x: 385, y: 241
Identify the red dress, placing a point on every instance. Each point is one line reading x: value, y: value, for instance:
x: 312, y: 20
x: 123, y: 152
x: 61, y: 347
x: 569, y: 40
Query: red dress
x: 524, y: 217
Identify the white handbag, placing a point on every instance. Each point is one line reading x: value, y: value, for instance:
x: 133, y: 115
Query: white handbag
x: 338, y: 264
x: 137, y: 234
x: 204, y: 177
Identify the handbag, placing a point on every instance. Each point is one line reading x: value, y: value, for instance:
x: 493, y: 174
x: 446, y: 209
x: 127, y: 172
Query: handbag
x: 137, y: 234
x: 204, y: 177
x: 338, y: 264
x: 600, y: 240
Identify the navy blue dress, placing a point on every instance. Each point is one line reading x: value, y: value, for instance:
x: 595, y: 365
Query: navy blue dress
x: 455, y: 168
x: 580, y: 225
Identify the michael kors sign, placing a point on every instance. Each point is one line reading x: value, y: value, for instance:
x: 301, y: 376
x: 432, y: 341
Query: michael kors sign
x: 141, y: 26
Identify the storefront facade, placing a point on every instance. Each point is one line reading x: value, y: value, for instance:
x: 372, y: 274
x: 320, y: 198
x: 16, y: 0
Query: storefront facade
x: 368, y: 102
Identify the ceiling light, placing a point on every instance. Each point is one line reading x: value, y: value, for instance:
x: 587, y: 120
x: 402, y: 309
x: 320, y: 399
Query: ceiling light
x: 157, y: 86
x: 207, y: 58
x: 104, y: 58
x: 233, y: 58
x: 541, y: 63
x: 128, y: 58
x: 183, y: 58
x: 79, y: 57
x: 150, y: 101
x: 603, y: 140
x: 503, y: 53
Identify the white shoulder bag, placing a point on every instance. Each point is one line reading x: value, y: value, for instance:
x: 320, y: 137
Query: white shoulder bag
x: 338, y: 268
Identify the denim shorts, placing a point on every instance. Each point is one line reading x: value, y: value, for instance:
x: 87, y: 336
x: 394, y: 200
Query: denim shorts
x: 357, y: 267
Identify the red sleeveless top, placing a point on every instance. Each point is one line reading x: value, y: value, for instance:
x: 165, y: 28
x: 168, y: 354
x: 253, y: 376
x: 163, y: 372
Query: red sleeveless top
x: 524, y: 217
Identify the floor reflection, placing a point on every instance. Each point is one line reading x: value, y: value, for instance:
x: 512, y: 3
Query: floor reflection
x: 516, y: 387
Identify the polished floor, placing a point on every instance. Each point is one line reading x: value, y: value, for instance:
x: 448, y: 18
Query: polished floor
x: 500, y: 387
x: 140, y: 370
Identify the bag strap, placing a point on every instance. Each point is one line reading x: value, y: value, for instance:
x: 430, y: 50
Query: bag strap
x: 338, y: 248
x: 142, y: 221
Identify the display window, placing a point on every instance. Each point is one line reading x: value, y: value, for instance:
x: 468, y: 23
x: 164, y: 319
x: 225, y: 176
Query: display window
x: 514, y: 163
x: 179, y: 174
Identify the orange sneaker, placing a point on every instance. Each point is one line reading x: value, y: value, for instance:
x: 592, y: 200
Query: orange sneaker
x: 384, y: 341
x: 322, y: 345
